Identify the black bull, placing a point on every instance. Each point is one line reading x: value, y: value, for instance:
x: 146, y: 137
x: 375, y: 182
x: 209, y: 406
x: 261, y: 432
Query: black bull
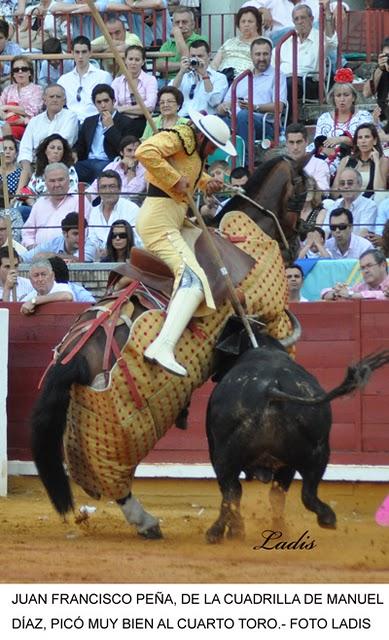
x: 268, y: 417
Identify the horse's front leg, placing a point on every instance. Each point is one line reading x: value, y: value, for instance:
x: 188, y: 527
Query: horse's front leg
x: 147, y: 526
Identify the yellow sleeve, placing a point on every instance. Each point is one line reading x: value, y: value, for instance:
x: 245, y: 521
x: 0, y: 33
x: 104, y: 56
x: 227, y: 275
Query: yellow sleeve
x: 153, y: 154
x: 204, y: 179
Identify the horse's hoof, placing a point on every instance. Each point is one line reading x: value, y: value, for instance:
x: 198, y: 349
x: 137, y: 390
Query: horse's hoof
x: 236, y: 533
x: 327, y: 520
x: 153, y: 533
x: 214, y: 536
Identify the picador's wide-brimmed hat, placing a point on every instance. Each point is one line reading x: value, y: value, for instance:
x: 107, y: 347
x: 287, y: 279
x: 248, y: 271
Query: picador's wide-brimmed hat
x: 215, y: 130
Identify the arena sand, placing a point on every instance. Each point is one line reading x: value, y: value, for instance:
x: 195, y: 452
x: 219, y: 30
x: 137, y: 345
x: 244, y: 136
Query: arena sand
x: 37, y: 546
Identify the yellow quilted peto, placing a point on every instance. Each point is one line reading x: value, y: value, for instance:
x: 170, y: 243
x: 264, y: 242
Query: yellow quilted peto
x: 107, y: 435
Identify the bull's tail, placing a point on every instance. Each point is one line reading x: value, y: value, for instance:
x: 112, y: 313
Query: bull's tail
x: 357, y: 376
x: 48, y: 427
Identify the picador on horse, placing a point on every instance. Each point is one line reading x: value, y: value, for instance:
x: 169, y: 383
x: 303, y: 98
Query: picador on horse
x: 128, y: 366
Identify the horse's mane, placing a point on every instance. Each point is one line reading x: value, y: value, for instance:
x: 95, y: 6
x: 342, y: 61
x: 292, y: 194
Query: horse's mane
x: 251, y: 186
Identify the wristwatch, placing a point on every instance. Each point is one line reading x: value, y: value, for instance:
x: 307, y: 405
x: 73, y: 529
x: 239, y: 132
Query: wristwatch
x: 33, y: 301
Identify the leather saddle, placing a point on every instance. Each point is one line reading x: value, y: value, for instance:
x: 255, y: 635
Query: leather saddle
x: 154, y: 273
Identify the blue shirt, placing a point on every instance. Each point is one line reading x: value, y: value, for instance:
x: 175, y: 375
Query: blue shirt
x: 57, y: 245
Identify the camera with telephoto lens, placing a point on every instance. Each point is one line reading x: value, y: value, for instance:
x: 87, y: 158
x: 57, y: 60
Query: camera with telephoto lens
x: 194, y: 63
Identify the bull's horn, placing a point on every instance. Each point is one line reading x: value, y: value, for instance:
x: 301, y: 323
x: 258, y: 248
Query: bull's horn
x: 296, y: 332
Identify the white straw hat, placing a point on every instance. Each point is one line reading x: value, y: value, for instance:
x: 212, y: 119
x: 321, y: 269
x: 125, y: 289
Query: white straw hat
x: 215, y: 129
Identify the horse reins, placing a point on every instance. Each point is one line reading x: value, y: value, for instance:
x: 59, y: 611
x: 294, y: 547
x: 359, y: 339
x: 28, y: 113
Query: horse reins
x: 239, y: 191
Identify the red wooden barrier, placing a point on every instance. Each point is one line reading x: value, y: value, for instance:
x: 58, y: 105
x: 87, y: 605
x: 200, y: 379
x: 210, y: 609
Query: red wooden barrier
x: 334, y: 335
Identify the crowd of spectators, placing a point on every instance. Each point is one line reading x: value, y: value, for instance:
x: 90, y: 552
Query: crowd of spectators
x: 75, y: 122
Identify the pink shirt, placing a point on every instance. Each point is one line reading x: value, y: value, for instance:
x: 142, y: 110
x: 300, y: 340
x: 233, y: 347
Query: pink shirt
x: 29, y: 97
x: 134, y: 185
x: 147, y: 88
x: 46, y: 213
x: 374, y: 294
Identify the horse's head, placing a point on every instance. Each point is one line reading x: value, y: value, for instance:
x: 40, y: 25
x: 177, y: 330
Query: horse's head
x: 279, y: 186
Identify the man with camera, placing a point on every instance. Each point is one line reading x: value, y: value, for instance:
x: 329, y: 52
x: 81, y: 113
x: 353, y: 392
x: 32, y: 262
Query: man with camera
x: 379, y: 82
x: 203, y: 87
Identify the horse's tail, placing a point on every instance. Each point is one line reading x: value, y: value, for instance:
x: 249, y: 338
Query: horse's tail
x: 48, y: 427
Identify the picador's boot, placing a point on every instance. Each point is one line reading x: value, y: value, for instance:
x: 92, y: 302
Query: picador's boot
x: 181, y: 310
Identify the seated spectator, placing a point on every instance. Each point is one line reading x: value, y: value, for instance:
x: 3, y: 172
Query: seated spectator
x: 147, y: 86
x: 307, y: 49
x: 131, y: 172
x: 313, y: 210
x: 51, y: 70
x: 61, y: 276
x: 368, y: 158
x: 54, y: 148
x: 343, y: 242
x: 313, y: 246
x: 100, y: 135
x: 9, y: 278
x: 38, y: 22
x: 45, y: 289
x: 375, y: 285
x: 22, y: 99
x: 381, y: 219
x: 67, y: 244
x: 277, y: 15
x: 263, y: 94
x: 338, y: 126
x: 170, y: 101
x: 183, y: 35
x: 203, y: 88
x: 111, y: 208
x: 220, y: 170
x: 120, y: 241
x: 55, y: 119
x: 152, y: 27
x: 378, y: 85
x: 48, y: 212
x: 295, y: 279
x: 234, y: 57
x: 121, y: 39
x: 7, y: 48
x: 11, y: 168
x: 296, y: 142
x: 364, y: 210
x: 16, y: 226
x: 239, y: 176
x: 79, y: 82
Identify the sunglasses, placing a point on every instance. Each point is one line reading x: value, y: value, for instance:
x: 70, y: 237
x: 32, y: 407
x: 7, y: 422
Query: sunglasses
x: 192, y: 91
x: 20, y: 69
x: 346, y: 183
x: 342, y: 227
x: 119, y: 236
x: 167, y: 103
x: 78, y: 94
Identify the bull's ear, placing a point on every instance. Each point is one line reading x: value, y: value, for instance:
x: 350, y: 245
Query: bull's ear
x: 228, y: 341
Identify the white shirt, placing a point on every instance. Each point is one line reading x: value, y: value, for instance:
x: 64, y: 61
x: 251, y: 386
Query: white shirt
x: 72, y: 82
x: 23, y: 288
x: 357, y: 246
x: 64, y: 123
x: 58, y: 287
x: 364, y: 212
x: 99, y: 227
x: 320, y: 171
x: 202, y: 100
x: 307, y: 53
x: 263, y: 88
